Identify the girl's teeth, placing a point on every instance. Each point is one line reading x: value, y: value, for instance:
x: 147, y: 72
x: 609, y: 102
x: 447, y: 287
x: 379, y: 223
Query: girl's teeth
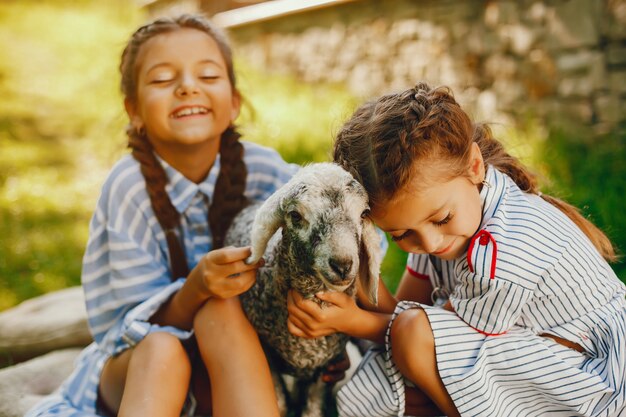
x: 190, y: 111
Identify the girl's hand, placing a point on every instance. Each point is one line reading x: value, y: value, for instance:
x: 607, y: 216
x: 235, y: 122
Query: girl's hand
x: 222, y: 273
x: 336, y: 370
x: 310, y: 320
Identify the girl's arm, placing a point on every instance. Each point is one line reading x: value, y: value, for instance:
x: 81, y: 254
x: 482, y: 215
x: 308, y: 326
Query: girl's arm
x: 221, y: 273
x: 412, y: 288
x: 386, y: 301
x: 363, y: 319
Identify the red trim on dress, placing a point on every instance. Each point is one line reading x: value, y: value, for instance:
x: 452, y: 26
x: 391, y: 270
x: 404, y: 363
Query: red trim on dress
x: 478, y: 330
x: 417, y: 274
x: 484, y: 237
x: 485, y: 333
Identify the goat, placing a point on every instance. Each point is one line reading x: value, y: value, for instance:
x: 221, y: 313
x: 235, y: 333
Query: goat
x: 326, y: 241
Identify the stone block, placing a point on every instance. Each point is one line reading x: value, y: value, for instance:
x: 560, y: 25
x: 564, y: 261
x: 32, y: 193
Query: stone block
x: 614, y: 21
x: 23, y: 385
x: 42, y: 324
x: 617, y: 81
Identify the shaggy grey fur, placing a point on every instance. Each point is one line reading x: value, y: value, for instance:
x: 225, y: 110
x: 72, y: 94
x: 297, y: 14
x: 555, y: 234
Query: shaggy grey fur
x: 325, y: 243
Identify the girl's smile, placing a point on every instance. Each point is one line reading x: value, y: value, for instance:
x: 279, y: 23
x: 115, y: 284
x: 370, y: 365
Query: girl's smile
x: 444, y: 250
x: 189, y: 111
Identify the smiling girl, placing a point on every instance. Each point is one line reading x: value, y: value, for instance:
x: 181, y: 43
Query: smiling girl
x: 170, y: 337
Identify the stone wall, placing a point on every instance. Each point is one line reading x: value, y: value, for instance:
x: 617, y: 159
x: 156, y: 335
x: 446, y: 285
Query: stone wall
x: 563, y: 61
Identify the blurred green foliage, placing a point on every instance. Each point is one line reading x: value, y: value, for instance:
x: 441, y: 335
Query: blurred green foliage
x: 591, y: 175
x: 62, y: 124
x: 296, y: 118
x: 61, y: 127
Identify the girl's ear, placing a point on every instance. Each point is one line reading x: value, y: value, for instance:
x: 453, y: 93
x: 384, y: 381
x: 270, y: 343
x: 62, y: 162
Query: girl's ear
x: 476, y: 171
x: 236, y: 106
x: 135, y: 120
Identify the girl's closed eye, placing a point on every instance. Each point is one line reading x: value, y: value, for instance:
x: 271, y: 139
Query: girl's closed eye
x: 160, y: 81
x: 443, y: 221
x: 209, y: 77
x: 161, y: 78
x: 402, y: 236
x: 209, y: 72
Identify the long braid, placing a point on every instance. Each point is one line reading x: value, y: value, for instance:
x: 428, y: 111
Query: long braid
x: 166, y: 213
x: 228, y: 197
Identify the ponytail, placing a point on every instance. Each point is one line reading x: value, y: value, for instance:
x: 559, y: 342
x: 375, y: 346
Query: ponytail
x: 494, y: 154
x: 596, y: 236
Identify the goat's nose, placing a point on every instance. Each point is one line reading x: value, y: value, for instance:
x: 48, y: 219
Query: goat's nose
x: 340, y: 266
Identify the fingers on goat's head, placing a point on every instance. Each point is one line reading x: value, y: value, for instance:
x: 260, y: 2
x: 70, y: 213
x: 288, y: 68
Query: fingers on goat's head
x: 323, y: 214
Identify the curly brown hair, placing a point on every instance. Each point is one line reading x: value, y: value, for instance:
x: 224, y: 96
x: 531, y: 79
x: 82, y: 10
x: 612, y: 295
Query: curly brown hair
x: 385, y: 138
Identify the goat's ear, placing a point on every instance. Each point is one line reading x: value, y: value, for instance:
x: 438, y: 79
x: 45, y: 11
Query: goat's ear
x: 267, y: 220
x: 370, y: 255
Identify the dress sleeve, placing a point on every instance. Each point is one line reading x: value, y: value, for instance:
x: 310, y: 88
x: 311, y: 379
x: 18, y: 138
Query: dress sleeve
x: 126, y: 276
x: 136, y: 323
x: 488, y: 297
x: 419, y: 266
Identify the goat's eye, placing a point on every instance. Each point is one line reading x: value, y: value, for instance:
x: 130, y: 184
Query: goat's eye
x: 295, y: 217
x: 365, y: 213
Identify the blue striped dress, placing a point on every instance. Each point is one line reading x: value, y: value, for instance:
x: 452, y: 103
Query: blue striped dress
x: 528, y: 271
x: 126, y: 273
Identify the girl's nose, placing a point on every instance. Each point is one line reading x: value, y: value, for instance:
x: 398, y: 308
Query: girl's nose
x: 187, y: 86
x: 429, y: 241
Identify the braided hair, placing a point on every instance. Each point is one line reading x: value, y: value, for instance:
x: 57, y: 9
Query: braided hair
x: 385, y: 140
x: 228, y: 197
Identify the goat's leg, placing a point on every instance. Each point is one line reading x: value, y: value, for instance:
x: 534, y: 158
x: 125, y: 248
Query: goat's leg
x: 316, y: 399
x: 280, y: 394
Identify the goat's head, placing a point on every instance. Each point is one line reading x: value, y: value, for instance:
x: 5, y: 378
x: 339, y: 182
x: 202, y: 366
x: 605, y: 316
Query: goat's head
x: 330, y: 239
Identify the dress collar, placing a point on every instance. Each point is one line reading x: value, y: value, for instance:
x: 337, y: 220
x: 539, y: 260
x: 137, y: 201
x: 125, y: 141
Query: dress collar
x: 181, y: 190
x: 492, y: 193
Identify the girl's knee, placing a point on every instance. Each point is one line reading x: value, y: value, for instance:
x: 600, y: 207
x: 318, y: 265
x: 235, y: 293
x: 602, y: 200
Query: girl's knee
x: 160, y: 348
x: 411, y: 334
x: 219, y: 314
x: 222, y: 323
